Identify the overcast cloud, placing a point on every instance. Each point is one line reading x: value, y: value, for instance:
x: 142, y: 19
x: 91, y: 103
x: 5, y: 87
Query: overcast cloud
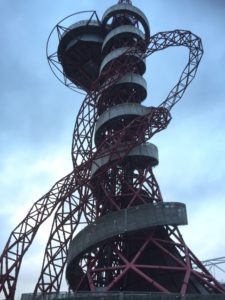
x: 37, y: 117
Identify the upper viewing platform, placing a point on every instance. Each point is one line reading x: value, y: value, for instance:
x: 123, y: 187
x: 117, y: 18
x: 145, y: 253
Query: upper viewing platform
x: 82, y: 46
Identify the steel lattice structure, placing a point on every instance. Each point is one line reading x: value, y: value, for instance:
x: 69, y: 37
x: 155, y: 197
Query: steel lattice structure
x: 216, y: 267
x: 112, y: 175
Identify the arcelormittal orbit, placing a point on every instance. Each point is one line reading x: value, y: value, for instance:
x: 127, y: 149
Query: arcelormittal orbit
x: 130, y: 242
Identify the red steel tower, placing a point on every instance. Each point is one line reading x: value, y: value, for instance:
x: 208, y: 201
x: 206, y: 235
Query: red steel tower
x: 131, y: 241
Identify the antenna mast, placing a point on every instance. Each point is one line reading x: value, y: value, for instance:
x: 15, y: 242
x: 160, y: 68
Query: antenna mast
x: 125, y: 2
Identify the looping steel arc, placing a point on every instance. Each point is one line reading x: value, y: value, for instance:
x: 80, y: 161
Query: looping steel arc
x: 76, y: 199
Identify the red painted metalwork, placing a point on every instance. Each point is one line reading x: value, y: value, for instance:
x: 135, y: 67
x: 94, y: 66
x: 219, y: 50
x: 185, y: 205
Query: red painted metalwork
x: 78, y: 197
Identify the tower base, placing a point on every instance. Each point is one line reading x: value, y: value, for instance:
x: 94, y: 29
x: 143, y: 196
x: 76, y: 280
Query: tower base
x: 120, y: 296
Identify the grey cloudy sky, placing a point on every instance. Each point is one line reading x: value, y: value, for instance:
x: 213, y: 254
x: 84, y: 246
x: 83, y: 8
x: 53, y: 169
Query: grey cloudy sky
x: 37, y: 117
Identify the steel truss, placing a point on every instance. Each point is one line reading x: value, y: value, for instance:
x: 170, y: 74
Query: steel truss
x: 215, y: 266
x: 125, y: 266
x: 73, y: 197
